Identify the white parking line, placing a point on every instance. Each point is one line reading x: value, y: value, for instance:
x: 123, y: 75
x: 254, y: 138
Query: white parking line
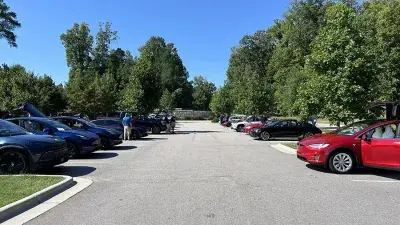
x: 378, y: 181
x: 284, y: 149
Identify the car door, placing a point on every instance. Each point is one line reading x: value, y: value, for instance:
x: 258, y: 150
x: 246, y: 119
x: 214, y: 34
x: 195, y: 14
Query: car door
x: 381, y: 151
x: 281, y: 129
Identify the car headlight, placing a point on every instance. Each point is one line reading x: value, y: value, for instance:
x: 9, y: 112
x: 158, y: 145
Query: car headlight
x: 83, y: 137
x: 318, y: 146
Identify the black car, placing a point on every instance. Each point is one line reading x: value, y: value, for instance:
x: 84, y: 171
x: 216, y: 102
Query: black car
x: 23, y: 152
x: 285, y: 128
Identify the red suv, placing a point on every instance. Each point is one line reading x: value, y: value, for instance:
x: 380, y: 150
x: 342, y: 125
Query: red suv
x: 365, y: 143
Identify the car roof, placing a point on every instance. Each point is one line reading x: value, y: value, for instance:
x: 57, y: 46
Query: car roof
x: 66, y: 117
x: 30, y: 118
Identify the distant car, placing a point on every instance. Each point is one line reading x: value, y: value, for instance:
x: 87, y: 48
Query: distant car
x: 137, y: 132
x: 239, y: 127
x: 371, y: 143
x: 109, y: 137
x: 252, y: 126
x: 235, y: 119
x: 226, y: 124
x: 22, y: 152
x: 156, y: 126
x: 78, y: 142
x: 285, y: 128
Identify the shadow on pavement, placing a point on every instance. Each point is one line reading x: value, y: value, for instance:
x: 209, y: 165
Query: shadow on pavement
x: 73, y: 171
x: 279, y: 139
x: 152, y: 138
x: 122, y: 148
x: 361, y: 171
x: 99, y: 155
x: 197, y: 132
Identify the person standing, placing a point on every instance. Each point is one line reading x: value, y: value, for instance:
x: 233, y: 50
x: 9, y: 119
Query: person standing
x: 172, y: 124
x: 127, y: 122
x: 167, y: 124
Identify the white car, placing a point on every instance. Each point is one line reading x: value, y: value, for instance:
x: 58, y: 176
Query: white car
x: 240, y: 125
x: 235, y: 119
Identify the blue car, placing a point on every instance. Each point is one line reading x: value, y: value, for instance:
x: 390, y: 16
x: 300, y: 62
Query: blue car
x: 78, y: 142
x: 109, y: 137
x: 116, y: 124
x: 22, y: 152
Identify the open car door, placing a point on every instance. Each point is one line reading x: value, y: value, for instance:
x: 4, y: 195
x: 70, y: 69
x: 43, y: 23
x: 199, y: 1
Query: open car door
x: 380, y: 151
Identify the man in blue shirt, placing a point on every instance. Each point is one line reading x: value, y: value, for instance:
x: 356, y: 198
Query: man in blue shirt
x: 127, y: 122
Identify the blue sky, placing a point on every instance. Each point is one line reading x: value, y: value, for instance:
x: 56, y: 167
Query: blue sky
x: 203, y: 30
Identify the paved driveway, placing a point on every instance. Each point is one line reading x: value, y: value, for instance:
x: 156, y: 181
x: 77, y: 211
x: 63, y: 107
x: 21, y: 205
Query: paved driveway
x: 207, y: 174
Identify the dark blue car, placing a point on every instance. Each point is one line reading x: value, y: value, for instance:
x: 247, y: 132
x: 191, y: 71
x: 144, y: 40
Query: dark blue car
x: 116, y: 124
x: 78, y: 142
x: 22, y: 152
x: 109, y: 137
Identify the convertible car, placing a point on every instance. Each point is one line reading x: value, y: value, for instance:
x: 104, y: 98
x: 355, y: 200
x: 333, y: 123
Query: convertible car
x: 285, y: 128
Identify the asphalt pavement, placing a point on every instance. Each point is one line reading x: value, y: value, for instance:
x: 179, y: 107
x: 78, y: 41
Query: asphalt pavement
x: 208, y: 174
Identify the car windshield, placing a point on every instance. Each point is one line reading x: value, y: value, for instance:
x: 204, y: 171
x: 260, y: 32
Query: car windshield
x: 88, y: 123
x: 10, y: 129
x: 59, y: 126
x: 354, y: 128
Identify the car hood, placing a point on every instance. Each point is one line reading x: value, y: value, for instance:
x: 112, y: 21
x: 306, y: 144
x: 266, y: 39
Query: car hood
x: 83, y: 133
x: 321, y: 139
x: 32, y: 138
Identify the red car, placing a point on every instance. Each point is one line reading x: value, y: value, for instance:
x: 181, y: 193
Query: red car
x: 252, y: 126
x: 365, y: 143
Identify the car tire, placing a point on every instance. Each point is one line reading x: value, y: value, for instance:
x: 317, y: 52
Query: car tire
x: 73, y: 150
x: 13, y: 162
x: 265, y: 136
x: 135, y: 135
x: 105, y: 143
x: 156, y: 130
x: 342, y: 162
x: 239, y: 128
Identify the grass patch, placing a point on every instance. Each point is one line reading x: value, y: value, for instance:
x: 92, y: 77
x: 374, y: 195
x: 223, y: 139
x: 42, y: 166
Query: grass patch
x: 14, y: 188
x: 291, y: 145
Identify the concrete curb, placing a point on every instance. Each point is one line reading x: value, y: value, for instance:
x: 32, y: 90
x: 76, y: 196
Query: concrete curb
x: 15, y: 208
x: 285, y: 149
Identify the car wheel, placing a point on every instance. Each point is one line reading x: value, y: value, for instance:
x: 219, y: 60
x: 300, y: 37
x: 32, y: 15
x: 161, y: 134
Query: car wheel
x: 73, y: 150
x: 156, y: 130
x: 341, y: 162
x: 239, y: 128
x: 105, y: 143
x: 13, y: 162
x: 135, y: 135
x: 265, y: 136
x: 308, y: 134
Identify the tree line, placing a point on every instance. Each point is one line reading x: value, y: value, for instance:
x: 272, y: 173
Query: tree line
x: 102, y: 79
x: 324, y: 57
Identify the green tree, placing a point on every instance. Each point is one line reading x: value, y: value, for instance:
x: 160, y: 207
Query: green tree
x: 340, y: 74
x: 221, y: 101
x: 8, y: 23
x: 167, y: 101
x: 202, y: 92
x: 105, y: 36
x: 78, y: 44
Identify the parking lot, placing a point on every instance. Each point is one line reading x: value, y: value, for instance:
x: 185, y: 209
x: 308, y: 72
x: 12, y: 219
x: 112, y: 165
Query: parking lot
x: 208, y: 174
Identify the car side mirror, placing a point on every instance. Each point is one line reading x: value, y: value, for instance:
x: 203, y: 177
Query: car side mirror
x: 47, y: 131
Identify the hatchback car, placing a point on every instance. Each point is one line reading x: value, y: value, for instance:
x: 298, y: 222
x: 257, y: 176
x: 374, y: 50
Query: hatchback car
x: 365, y: 143
x: 116, y: 124
x: 109, y: 137
x: 22, y: 152
x: 78, y: 142
x: 286, y: 129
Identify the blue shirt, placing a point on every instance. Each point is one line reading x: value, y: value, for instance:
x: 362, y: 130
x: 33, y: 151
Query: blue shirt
x: 126, y: 121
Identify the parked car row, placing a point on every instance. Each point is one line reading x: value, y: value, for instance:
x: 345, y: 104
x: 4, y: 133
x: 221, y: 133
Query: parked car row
x: 28, y: 143
x: 265, y: 129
